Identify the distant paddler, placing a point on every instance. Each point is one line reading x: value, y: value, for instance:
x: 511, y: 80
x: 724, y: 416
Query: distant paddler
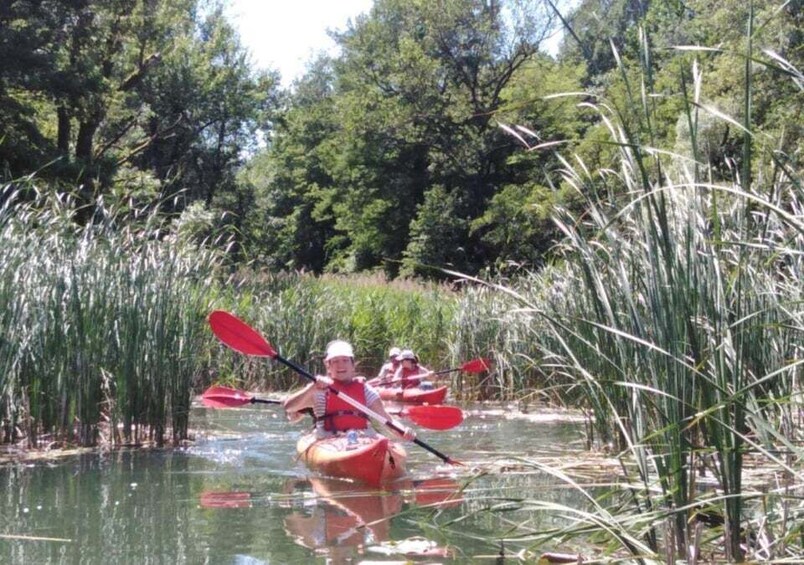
x: 389, y: 367
x: 325, y: 454
x: 409, y: 368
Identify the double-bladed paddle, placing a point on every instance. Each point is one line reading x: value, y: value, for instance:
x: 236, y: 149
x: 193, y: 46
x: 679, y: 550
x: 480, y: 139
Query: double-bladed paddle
x: 474, y: 366
x: 241, y: 337
x: 434, y: 417
x: 225, y: 397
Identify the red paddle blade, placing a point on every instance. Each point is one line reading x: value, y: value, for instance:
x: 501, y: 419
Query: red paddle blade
x: 435, y: 417
x: 442, y: 492
x: 476, y: 365
x: 224, y: 397
x: 212, y: 499
x: 238, y: 335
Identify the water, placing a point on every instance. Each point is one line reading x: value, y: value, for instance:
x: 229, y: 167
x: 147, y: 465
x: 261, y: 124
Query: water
x: 237, y: 497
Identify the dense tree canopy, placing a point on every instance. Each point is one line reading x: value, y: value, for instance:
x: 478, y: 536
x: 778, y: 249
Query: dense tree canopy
x: 408, y: 108
x: 137, y: 98
x: 433, y: 139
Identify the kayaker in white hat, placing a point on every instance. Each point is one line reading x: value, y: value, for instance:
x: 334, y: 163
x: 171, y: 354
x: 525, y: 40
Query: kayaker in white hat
x: 332, y: 414
x: 409, y: 367
x: 389, y: 368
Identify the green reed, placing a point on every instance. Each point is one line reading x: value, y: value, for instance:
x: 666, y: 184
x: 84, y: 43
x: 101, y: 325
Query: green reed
x: 299, y: 314
x: 679, y: 320
x: 102, y: 326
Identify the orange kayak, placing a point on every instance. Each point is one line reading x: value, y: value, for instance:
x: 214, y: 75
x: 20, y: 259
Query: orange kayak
x: 413, y: 395
x: 374, y: 461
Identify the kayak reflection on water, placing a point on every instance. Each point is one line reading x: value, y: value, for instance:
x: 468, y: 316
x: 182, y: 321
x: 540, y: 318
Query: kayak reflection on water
x: 343, y: 516
x: 349, y: 520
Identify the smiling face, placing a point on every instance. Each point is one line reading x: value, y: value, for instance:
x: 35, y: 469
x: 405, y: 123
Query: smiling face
x: 341, y: 368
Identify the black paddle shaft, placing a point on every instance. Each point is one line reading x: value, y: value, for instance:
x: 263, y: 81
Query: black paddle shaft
x: 308, y: 411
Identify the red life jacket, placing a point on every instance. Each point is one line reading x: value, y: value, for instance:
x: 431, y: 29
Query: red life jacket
x: 405, y: 373
x: 340, y: 415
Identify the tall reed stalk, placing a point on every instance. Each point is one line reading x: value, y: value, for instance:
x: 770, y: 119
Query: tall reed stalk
x: 102, y: 325
x: 299, y: 314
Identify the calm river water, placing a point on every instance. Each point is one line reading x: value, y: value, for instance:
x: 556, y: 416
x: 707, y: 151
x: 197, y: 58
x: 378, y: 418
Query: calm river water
x: 238, y: 497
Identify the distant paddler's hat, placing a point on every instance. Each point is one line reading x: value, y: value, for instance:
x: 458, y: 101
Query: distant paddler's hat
x: 407, y: 354
x: 394, y: 352
x: 339, y: 348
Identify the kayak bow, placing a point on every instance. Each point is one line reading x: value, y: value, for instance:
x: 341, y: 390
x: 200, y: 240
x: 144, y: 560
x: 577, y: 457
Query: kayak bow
x: 374, y: 460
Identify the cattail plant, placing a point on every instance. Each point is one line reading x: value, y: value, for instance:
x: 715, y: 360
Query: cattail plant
x: 681, y: 324
x: 101, y: 323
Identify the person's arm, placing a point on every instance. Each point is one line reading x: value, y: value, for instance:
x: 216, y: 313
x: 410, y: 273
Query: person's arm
x: 303, y: 399
x: 299, y: 400
x: 423, y: 371
x: 383, y: 376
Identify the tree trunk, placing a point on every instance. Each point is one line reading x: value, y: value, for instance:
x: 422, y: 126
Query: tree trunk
x: 63, y: 131
x: 83, y: 155
x: 83, y: 143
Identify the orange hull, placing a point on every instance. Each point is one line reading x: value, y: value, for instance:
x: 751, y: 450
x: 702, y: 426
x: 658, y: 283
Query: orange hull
x: 413, y: 395
x: 375, y: 461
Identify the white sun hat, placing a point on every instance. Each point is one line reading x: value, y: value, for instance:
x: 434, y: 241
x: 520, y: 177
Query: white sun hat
x: 394, y: 352
x: 339, y: 348
x: 407, y: 354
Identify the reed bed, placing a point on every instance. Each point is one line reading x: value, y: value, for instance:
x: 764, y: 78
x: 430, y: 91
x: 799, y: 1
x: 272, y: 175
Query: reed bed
x: 102, y: 325
x: 299, y: 314
x: 485, y: 323
x: 105, y: 334
x: 678, y: 323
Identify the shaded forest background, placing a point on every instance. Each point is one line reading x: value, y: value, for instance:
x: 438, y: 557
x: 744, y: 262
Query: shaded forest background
x: 432, y: 139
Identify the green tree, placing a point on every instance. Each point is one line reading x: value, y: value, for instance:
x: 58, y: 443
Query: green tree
x: 596, y: 28
x: 205, y: 106
x: 292, y: 222
x: 25, y: 76
x: 414, y: 91
x: 540, y: 111
x: 437, y: 237
x: 138, y: 99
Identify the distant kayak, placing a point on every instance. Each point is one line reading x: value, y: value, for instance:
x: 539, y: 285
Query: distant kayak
x: 413, y: 395
x: 374, y: 461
